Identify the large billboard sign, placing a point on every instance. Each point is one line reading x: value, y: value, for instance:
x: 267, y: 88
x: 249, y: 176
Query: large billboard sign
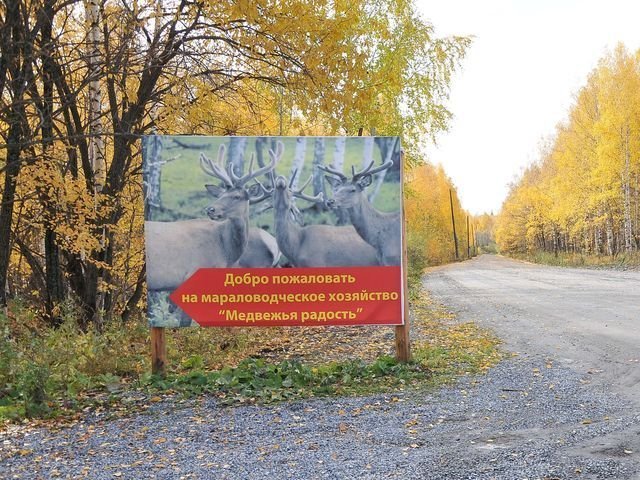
x: 272, y: 231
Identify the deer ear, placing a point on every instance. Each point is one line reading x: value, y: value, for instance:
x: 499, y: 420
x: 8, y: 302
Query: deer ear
x: 215, y: 190
x: 365, y: 181
x: 334, y: 182
x: 254, y: 190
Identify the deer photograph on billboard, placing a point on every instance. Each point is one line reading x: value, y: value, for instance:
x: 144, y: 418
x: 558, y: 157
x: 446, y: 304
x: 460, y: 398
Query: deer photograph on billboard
x: 272, y: 231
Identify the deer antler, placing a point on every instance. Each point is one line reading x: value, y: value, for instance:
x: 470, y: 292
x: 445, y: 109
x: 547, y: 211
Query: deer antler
x: 300, y: 192
x: 334, y: 172
x: 215, y: 169
x: 277, y: 154
x: 240, y: 181
x: 228, y: 175
x: 266, y: 193
x: 275, y: 157
x: 367, y: 171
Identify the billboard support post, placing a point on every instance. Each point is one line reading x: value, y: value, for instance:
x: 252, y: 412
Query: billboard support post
x: 158, y: 351
x: 403, y: 344
x: 402, y: 340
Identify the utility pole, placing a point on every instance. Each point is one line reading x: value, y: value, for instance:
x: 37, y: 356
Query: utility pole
x: 468, y: 239
x: 473, y: 239
x: 453, y: 222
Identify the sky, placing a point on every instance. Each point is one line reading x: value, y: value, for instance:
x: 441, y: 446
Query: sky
x: 528, y: 60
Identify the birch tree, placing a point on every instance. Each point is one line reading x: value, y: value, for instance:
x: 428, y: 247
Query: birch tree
x: 318, y: 159
x: 581, y: 196
x: 298, y: 162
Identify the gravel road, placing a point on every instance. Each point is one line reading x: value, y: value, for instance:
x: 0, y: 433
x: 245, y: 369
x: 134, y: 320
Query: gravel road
x: 564, y: 405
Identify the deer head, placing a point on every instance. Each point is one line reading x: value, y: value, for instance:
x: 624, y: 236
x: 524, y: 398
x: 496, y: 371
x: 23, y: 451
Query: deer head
x: 232, y: 195
x: 284, y: 195
x: 283, y: 192
x: 347, y: 192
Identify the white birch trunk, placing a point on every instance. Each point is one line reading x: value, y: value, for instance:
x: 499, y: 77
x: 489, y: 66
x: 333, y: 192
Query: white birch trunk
x: 237, y: 146
x: 610, y: 239
x: 628, y: 231
x: 96, y: 132
x: 379, y: 178
x: 318, y: 159
x: 367, y: 154
x: 338, y: 154
x: 298, y: 162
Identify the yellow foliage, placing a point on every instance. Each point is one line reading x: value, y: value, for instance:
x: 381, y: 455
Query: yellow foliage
x: 583, y: 194
x: 428, y: 215
x: 218, y: 68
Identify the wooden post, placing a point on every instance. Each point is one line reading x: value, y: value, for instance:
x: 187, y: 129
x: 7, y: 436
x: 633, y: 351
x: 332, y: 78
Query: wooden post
x: 403, y: 342
x: 158, y: 351
x: 453, y: 222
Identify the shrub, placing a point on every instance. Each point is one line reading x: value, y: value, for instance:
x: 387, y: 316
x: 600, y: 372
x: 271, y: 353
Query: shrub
x: 417, y: 262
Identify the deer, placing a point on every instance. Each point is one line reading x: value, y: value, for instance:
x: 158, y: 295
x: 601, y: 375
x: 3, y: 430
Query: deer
x: 262, y: 250
x: 175, y: 250
x: 381, y: 230
x: 313, y: 245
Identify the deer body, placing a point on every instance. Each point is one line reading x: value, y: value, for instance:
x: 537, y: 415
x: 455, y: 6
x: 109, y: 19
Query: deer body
x: 175, y: 250
x: 381, y: 230
x: 316, y: 245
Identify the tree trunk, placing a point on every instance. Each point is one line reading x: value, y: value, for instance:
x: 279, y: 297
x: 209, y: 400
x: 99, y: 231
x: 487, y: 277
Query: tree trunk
x: 610, y: 239
x: 318, y: 176
x: 260, y: 143
x: 338, y: 164
x: 628, y: 231
x: 94, y: 60
x: 338, y: 154
x: 387, y: 147
x: 597, y: 241
x: 152, y: 174
x: 237, y: 146
x: 96, y: 133
x: 367, y: 153
x: 53, y: 278
x: 133, y: 300
x: 12, y: 55
x: 298, y: 162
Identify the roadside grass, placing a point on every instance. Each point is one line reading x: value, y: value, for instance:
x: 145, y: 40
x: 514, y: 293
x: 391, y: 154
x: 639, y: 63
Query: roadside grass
x: 56, y: 373
x: 620, y: 261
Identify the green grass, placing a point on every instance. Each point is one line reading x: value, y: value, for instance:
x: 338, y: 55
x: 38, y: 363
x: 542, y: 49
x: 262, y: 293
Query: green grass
x: 255, y: 380
x: 445, y: 350
x: 52, y: 373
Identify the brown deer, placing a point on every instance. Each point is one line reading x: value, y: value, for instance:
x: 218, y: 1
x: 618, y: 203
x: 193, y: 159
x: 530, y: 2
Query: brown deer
x: 381, y: 230
x: 313, y: 245
x: 175, y: 250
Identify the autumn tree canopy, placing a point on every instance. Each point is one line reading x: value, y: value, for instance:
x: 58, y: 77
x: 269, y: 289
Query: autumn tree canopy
x: 80, y: 82
x: 583, y: 194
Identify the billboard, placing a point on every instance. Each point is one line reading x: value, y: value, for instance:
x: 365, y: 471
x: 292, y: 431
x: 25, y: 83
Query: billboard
x: 266, y: 231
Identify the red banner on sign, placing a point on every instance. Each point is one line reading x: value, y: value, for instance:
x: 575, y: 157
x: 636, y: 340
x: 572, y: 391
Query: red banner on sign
x: 216, y: 297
